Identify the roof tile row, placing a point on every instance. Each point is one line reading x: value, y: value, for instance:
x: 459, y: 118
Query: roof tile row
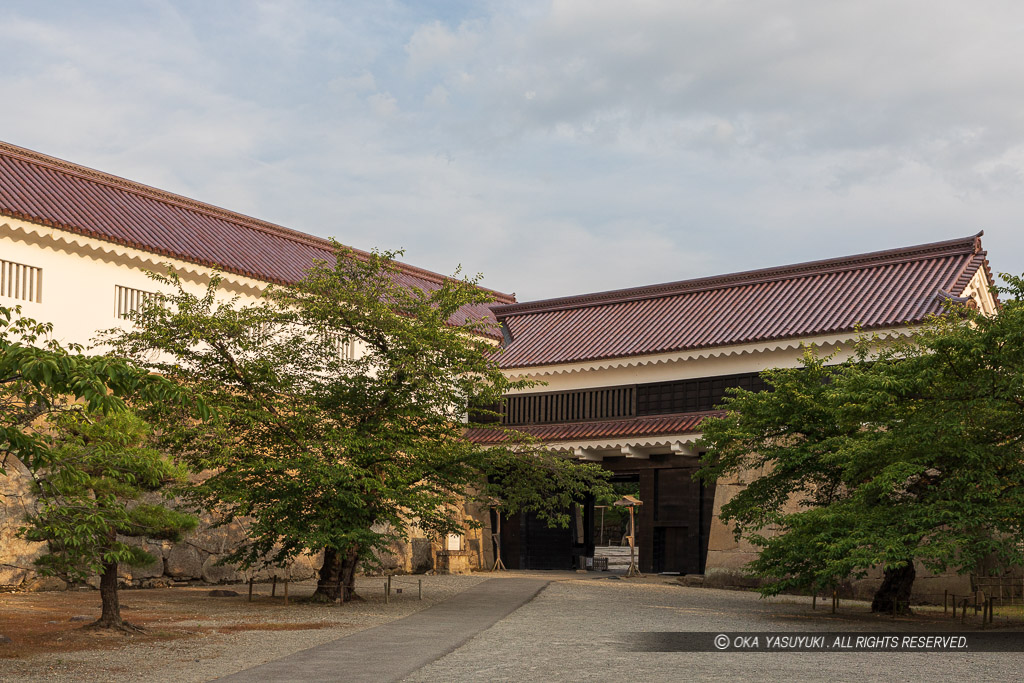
x: 66, y: 196
x: 686, y: 423
x: 871, y: 291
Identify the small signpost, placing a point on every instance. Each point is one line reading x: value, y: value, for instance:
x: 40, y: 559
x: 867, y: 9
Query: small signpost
x: 631, y: 503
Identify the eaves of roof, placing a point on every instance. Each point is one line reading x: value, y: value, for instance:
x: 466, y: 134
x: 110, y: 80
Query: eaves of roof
x: 684, y: 423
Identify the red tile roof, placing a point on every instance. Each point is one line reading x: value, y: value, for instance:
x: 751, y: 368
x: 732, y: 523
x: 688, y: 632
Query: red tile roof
x: 686, y: 423
x: 877, y: 290
x: 42, y: 189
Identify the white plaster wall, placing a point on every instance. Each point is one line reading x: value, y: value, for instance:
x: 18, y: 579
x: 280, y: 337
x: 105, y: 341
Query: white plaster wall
x: 79, y: 279
x: 80, y: 275
x: 740, y: 360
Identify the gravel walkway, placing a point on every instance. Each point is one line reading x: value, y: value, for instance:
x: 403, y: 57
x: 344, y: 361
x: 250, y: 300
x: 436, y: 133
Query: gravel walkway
x: 396, y: 649
x: 575, y: 630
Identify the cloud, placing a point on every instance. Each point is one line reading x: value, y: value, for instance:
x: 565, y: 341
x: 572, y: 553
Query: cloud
x: 559, y: 147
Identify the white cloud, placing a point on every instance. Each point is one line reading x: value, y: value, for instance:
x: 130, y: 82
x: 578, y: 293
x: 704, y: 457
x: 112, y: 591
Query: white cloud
x: 435, y: 45
x: 557, y: 147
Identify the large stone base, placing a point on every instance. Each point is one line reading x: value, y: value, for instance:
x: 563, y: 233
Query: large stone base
x: 928, y: 588
x: 454, y: 562
x: 196, y: 559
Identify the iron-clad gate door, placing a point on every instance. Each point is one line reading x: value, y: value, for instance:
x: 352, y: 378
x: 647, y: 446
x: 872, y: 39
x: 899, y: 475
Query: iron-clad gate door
x: 681, y: 520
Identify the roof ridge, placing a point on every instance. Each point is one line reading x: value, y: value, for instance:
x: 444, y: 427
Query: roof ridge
x: 963, y: 245
x: 243, y: 220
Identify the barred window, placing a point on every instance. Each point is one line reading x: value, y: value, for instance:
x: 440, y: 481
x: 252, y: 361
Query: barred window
x: 18, y: 281
x: 128, y: 300
x: 346, y: 347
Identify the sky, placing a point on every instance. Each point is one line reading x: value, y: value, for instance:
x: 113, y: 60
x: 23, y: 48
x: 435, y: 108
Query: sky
x: 555, y: 147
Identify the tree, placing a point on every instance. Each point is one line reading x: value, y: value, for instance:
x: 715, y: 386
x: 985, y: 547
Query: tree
x: 40, y: 377
x: 96, y: 471
x: 44, y: 387
x: 909, y: 453
x: 320, y: 448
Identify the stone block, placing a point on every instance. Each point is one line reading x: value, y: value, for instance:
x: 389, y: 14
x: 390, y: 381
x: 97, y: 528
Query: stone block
x: 46, y: 583
x: 454, y: 562
x: 305, y: 567
x: 215, y: 540
x: 422, y: 556
x: 218, y: 573
x: 149, y: 571
x: 184, y: 562
x: 14, y: 576
x: 730, y: 579
x: 396, y: 557
x: 16, y: 500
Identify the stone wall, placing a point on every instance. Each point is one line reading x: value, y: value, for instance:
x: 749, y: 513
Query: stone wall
x: 16, y: 500
x: 728, y: 556
x: 197, y: 557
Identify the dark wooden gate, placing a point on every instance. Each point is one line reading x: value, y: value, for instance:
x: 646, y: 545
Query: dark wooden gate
x: 529, y: 543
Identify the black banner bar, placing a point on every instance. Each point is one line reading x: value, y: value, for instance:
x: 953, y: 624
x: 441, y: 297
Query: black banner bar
x: 852, y: 641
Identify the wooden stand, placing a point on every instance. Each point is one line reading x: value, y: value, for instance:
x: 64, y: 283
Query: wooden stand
x: 633, y: 570
x: 499, y: 566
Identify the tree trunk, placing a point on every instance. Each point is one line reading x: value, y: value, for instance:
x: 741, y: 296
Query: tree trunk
x: 111, y: 614
x: 348, y: 573
x: 328, y: 585
x: 896, y: 585
x: 337, y: 580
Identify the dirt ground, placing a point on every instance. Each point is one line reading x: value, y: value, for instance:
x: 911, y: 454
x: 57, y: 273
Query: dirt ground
x: 55, y: 621
x: 191, y: 635
x: 187, y: 625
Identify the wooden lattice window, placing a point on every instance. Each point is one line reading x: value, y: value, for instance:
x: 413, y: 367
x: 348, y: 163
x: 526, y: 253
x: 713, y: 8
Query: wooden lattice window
x: 18, y: 281
x: 345, y: 346
x: 570, y: 406
x: 693, y: 395
x: 128, y: 300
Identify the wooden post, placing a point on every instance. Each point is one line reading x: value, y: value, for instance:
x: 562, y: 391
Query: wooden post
x: 250, y: 589
x: 273, y: 587
x: 421, y: 589
x: 389, y: 584
x: 633, y: 569
x: 385, y: 593
x: 814, y: 600
x: 833, y: 601
x: 286, y: 591
x: 496, y: 538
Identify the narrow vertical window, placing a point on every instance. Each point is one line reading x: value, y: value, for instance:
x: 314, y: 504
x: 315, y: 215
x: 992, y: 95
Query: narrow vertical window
x: 346, y: 347
x: 21, y: 282
x: 128, y: 300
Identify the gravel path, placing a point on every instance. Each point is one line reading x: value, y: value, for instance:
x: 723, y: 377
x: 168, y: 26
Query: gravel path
x: 575, y: 630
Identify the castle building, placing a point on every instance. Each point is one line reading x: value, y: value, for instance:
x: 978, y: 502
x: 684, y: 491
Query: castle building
x: 76, y: 247
x: 628, y: 375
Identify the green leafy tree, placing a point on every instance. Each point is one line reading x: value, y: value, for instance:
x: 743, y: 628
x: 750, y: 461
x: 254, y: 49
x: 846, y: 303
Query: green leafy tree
x: 908, y: 454
x: 317, y: 447
x: 41, y: 377
x: 96, y: 471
